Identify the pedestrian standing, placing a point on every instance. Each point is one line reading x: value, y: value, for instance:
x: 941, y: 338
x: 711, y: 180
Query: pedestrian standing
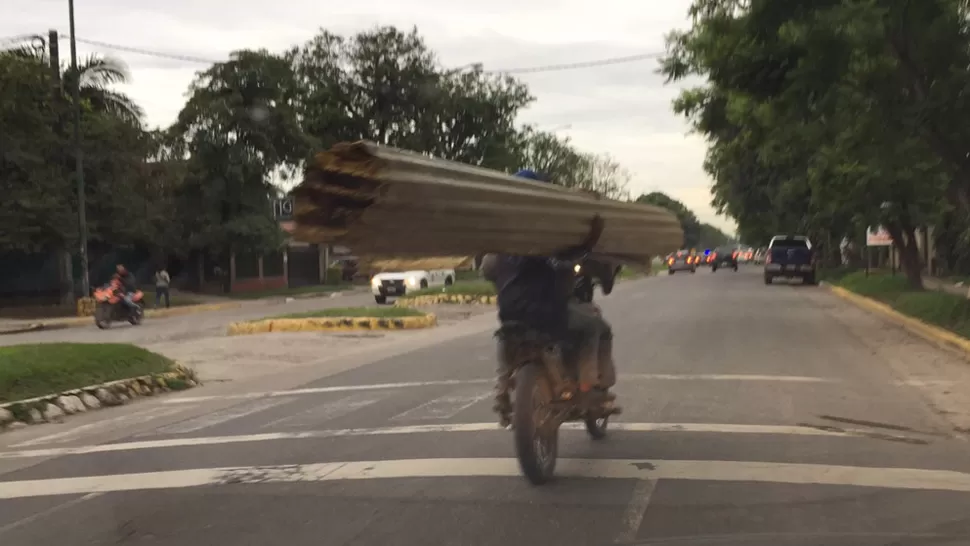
x: 162, y: 282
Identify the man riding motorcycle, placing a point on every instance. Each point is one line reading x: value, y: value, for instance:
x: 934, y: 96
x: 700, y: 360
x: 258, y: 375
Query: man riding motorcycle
x: 538, y: 291
x: 128, y: 284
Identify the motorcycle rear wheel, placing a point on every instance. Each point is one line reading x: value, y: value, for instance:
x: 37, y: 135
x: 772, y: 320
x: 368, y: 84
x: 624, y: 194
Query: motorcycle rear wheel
x: 536, y: 432
x: 134, y: 317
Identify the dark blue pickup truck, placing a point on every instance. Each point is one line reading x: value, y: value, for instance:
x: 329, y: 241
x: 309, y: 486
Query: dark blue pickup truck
x: 790, y: 256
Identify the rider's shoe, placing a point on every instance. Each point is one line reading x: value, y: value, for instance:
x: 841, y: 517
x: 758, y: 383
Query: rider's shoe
x: 503, y: 407
x: 608, y: 403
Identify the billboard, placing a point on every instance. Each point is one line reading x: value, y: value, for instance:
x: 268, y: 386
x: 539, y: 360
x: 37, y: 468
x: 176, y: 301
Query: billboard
x: 878, y: 236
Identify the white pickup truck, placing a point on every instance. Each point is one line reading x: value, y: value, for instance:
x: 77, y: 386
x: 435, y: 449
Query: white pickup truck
x: 396, y: 284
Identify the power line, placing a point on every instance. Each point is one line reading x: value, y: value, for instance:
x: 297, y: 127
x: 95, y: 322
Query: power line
x: 147, y: 52
x: 578, y: 65
x: 521, y: 70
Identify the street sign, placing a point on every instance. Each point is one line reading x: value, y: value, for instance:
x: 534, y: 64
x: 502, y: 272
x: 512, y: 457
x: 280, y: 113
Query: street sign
x: 878, y: 236
x: 283, y: 208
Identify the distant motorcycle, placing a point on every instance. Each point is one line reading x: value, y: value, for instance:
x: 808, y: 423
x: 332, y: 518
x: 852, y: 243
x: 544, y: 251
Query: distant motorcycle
x: 111, y: 307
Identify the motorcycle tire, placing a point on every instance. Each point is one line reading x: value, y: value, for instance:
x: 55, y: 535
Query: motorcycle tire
x: 536, y: 447
x: 135, y: 317
x: 596, y: 427
x: 100, y: 320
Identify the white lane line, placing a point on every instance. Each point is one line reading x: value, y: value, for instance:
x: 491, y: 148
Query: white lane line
x: 726, y: 471
x: 323, y: 390
x: 413, y: 429
x: 418, y: 384
x: 127, y: 420
x: 44, y: 513
x: 325, y: 412
x: 444, y: 407
x: 925, y: 383
x: 727, y: 377
x: 220, y: 417
x: 635, y: 510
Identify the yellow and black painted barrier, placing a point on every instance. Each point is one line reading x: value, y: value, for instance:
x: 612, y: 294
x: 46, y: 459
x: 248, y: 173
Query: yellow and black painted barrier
x: 331, y: 324
x: 436, y: 299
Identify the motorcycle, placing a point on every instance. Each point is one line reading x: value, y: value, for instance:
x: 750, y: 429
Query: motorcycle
x: 111, y: 307
x: 543, y: 384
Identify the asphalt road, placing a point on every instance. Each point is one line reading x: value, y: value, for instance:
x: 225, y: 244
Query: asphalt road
x: 774, y: 415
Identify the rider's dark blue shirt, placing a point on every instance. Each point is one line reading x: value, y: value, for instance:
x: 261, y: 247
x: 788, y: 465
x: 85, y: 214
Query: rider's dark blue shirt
x: 535, y: 291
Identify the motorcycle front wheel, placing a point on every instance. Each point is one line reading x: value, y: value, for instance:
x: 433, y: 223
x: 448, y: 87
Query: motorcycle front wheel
x: 536, y: 430
x: 596, y: 427
x: 101, y: 319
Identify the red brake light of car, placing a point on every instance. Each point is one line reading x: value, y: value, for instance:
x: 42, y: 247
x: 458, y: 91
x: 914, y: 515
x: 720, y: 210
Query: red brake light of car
x: 767, y: 258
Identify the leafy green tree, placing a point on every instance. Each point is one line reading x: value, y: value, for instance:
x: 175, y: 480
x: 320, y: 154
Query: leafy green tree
x: 385, y: 85
x: 37, y: 166
x: 817, y: 117
x: 688, y: 221
x: 239, y: 127
x: 712, y: 237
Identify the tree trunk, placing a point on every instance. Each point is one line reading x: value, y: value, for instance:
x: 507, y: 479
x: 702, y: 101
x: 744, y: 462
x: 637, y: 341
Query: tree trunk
x: 904, y: 240
x: 66, y: 277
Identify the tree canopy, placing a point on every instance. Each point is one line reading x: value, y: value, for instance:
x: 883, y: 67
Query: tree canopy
x: 825, y: 117
x: 696, y: 234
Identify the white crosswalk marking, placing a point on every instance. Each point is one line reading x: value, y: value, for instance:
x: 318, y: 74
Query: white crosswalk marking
x: 325, y: 412
x: 219, y: 417
x: 635, y: 469
x: 444, y: 407
x: 127, y: 420
x: 686, y: 428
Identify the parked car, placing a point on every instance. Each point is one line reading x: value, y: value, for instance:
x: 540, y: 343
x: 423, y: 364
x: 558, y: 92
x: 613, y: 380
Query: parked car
x: 790, y: 256
x: 400, y: 283
x: 724, y: 257
x: 682, y: 260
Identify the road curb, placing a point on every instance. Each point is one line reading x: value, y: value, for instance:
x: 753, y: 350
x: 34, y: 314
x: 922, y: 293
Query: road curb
x: 52, y: 408
x: 74, y: 322
x: 331, y: 324
x: 190, y: 309
x: 933, y: 334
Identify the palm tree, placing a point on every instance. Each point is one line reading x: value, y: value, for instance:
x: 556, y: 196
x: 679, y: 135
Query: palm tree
x: 97, y: 77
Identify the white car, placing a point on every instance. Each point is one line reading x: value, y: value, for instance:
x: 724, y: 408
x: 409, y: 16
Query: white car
x: 394, y: 284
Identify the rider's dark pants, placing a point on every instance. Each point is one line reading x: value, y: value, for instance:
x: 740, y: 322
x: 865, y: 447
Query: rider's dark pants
x: 595, y: 353
x: 126, y: 299
x: 595, y: 339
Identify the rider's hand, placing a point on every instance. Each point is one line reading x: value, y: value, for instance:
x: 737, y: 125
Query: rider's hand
x: 595, y: 232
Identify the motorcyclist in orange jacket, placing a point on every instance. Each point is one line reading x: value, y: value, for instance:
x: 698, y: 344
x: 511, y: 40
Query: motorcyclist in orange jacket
x: 127, y: 284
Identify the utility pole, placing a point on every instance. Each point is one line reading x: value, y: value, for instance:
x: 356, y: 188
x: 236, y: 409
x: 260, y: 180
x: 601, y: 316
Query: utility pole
x: 55, y: 60
x: 65, y: 269
x: 78, y: 163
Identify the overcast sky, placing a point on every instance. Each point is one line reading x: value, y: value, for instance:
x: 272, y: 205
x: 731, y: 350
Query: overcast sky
x: 622, y: 109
